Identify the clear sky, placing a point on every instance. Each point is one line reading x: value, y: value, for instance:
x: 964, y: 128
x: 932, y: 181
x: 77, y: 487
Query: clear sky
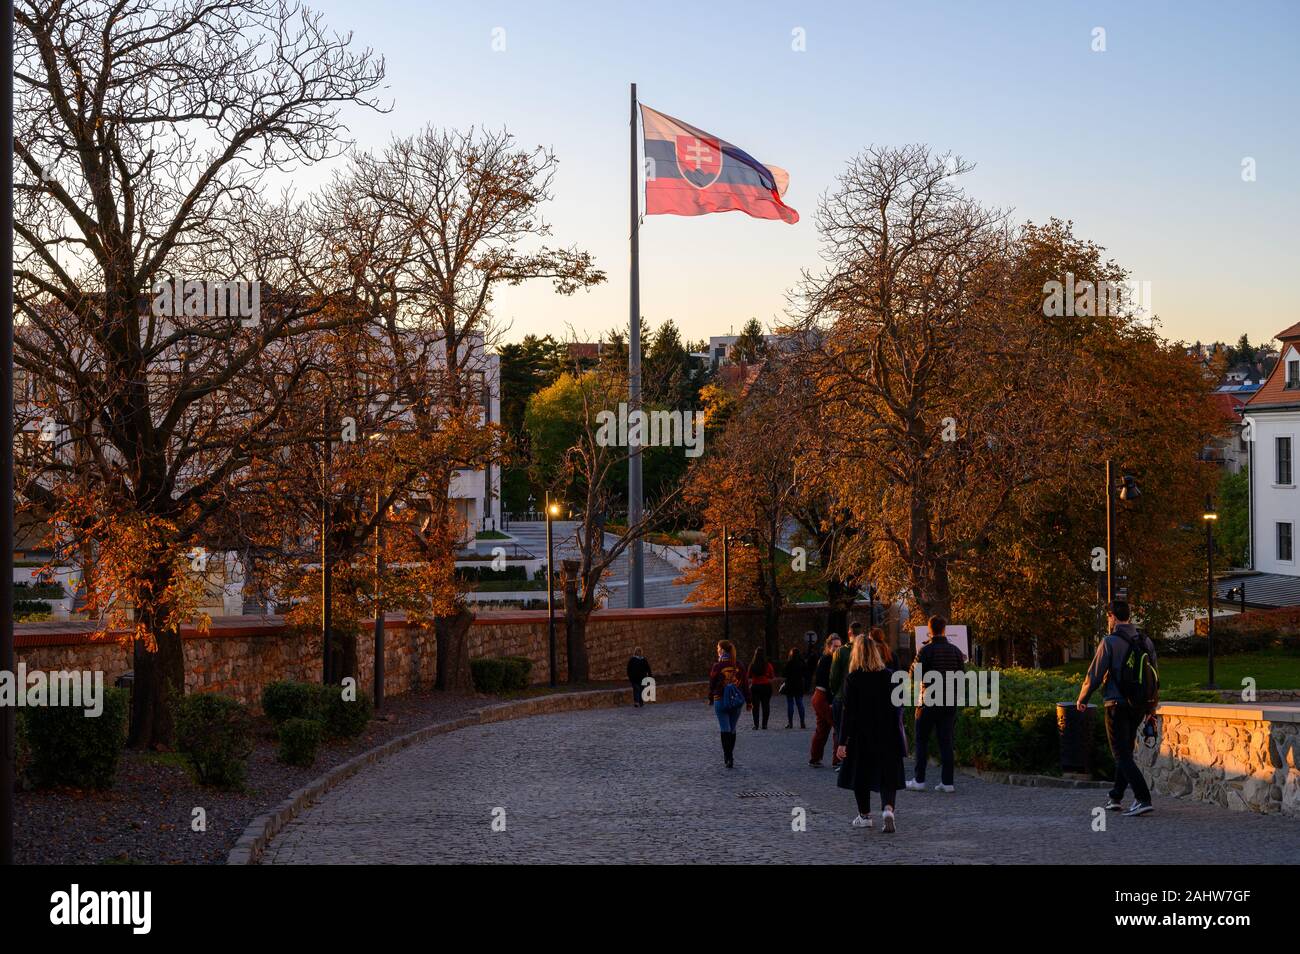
x: 1141, y: 145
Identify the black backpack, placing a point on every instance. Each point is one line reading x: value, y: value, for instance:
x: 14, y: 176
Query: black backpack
x: 1139, y: 680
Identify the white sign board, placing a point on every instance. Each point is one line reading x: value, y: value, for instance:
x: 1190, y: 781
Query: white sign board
x: 956, y: 635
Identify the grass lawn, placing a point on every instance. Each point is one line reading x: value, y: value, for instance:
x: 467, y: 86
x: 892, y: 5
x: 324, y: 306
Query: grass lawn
x: 1270, y: 668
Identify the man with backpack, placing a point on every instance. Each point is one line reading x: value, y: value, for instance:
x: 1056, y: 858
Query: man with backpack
x: 1125, y: 668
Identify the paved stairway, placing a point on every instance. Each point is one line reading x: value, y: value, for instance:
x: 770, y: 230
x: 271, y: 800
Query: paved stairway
x: 660, y: 590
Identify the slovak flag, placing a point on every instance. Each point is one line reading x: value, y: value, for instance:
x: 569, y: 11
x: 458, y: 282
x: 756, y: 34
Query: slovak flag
x: 691, y: 172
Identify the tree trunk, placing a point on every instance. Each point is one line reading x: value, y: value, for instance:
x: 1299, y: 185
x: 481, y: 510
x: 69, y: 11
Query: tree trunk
x: 158, y: 687
x: 347, y: 640
x: 575, y: 624
x: 452, y: 634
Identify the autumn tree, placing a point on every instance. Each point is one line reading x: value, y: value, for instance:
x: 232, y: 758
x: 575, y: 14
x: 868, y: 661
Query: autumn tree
x: 746, y: 487
x: 143, y: 133
x: 974, y: 419
x: 432, y: 228
x: 940, y: 401
x: 588, y: 479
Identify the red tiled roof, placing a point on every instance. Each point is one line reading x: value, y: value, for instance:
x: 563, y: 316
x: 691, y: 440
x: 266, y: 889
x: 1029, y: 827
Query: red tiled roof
x: 1227, y: 405
x: 1274, y: 390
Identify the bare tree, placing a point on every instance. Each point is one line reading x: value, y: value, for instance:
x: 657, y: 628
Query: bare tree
x: 431, y: 229
x: 144, y: 132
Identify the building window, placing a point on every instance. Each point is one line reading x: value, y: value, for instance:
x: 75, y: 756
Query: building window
x: 1293, y: 375
x: 1284, y: 544
x: 1283, y: 447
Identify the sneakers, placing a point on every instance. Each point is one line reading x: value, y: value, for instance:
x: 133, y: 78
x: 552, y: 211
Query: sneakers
x: 1138, y: 808
x: 1114, y: 805
x: 944, y: 788
x: 861, y: 822
x: 888, y: 826
x: 815, y: 763
x: 914, y: 786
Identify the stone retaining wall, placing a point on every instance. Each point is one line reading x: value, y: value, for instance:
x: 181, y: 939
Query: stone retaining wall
x: 240, y: 655
x: 1243, y: 757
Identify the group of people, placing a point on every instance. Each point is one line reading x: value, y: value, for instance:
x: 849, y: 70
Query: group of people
x: 857, y: 709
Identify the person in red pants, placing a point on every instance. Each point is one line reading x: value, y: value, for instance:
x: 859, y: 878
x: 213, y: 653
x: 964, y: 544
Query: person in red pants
x: 821, y: 701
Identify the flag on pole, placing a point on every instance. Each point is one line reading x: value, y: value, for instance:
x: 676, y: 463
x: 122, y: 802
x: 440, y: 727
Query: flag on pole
x: 691, y: 172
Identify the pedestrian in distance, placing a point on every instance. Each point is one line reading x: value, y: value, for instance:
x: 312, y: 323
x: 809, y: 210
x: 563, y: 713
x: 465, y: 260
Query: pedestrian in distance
x: 761, y: 674
x: 793, y: 687
x: 873, y: 744
x: 810, y: 657
x: 940, y: 716
x: 1124, y: 667
x: 821, y: 701
x: 728, y: 694
x: 638, y: 670
x: 878, y: 635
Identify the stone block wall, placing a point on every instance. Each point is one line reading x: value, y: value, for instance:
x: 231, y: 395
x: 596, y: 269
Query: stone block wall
x: 240, y: 655
x: 1242, y: 757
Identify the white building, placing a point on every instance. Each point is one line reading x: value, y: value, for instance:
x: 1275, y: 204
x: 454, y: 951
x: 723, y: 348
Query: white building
x: 1272, y: 419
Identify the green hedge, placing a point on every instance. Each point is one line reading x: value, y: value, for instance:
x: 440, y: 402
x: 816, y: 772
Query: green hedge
x: 339, y: 717
x: 501, y: 673
x: 31, y: 610
x: 215, y: 733
x: 284, y: 700
x: 63, y: 746
x: 1023, y: 736
x: 475, y: 574
x: 38, y: 591
x: 299, y: 740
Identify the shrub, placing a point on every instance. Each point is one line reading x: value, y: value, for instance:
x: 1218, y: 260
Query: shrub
x: 479, y: 574
x: 215, y: 733
x: 299, y: 739
x: 500, y: 674
x: 31, y: 611
x: 66, y: 747
x: 339, y: 718
x: 284, y: 700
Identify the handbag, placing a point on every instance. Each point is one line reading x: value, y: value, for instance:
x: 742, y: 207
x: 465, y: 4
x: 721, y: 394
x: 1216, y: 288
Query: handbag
x: 732, y: 697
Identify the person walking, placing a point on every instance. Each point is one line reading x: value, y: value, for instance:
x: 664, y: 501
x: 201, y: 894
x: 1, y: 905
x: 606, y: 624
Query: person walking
x: 795, y: 680
x: 728, y: 693
x: 821, y: 701
x: 878, y: 635
x: 873, y: 744
x: 942, y: 657
x: 811, y: 656
x: 1124, y: 667
x: 638, y: 669
x: 840, y: 669
x: 761, y: 674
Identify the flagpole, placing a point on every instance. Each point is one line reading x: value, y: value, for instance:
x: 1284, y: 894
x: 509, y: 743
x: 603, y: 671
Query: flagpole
x: 636, y: 562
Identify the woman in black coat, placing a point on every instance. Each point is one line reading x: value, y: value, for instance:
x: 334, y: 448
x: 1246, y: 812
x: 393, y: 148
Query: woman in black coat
x: 873, y: 744
x: 795, y: 678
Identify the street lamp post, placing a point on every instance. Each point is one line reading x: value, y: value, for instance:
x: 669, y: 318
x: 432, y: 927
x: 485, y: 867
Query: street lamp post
x: 326, y: 568
x: 551, y: 510
x: 379, y: 605
x: 726, y: 582
x: 1128, y: 492
x: 8, y: 750
x: 1209, y: 518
